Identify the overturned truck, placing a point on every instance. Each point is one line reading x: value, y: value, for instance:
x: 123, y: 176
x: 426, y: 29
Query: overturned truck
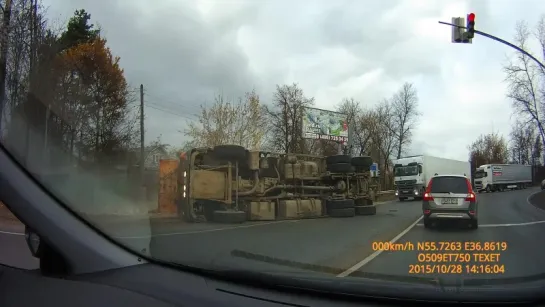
x: 231, y: 184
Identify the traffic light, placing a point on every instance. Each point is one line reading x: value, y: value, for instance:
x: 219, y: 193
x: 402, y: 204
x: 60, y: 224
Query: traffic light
x: 470, y: 25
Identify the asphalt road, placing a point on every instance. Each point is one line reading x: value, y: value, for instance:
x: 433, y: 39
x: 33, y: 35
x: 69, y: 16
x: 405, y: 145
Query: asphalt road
x: 344, y: 247
x: 14, y: 251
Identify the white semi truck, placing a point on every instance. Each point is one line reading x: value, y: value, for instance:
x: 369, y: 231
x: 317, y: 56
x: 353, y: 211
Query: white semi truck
x: 499, y: 177
x: 412, y: 174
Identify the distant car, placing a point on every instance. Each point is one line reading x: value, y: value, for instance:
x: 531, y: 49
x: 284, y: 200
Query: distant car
x: 543, y: 184
x: 449, y: 197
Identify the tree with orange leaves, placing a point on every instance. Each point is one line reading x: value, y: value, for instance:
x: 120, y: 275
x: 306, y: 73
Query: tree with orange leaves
x: 96, y: 99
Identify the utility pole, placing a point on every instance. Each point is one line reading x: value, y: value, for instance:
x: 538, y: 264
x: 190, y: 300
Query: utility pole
x: 141, y: 164
x: 4, y: 39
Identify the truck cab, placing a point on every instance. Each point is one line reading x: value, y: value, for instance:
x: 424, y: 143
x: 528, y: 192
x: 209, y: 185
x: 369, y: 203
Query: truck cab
x: 408, y: 177
x: 483, y: 178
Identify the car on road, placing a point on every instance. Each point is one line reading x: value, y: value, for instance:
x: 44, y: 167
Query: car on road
x: 450, y: 197
x: 543, y: 184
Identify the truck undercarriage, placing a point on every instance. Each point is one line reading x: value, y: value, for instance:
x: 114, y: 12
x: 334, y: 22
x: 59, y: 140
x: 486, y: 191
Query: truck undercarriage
x: 228, y: 183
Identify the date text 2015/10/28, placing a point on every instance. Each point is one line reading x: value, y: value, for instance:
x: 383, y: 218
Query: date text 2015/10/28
x: 456, y: 269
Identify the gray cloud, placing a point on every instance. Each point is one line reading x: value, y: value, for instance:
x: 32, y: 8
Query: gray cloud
x: 186, y: 51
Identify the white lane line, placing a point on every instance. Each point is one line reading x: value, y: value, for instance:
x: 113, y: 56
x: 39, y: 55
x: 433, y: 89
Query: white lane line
x: 360, y: 264
x: 204, y: 230
x: 504, y: 225
x: 178, y: 233
x: 12, y: 233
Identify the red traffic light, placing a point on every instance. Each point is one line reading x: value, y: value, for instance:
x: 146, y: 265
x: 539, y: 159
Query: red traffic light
x: 471, y: 17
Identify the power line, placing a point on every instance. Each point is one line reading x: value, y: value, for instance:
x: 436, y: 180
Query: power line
x: 159, y: 108
x: 167, y: 106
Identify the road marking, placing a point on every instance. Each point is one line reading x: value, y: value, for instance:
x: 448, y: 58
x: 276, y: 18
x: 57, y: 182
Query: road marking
x: 178, y: 233
x: 504, y: 225
x: 12, y: 233
x: 205, y: 230
x: 360, y: 264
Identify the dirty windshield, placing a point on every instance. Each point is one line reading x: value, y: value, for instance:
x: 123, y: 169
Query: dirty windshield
x: 294, y: 138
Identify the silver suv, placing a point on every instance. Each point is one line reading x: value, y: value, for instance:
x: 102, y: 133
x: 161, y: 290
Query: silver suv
x: 449, y: 197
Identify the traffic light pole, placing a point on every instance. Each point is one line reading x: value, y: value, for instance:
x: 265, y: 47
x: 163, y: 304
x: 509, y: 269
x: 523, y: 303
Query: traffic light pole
x: 499, y: 40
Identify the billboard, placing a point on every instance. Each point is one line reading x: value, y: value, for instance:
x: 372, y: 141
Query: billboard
x: 326, y: 125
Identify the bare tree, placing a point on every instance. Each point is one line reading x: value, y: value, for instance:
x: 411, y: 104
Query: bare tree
x: 285, y: 119
x: 526, y: 79
x: 4, y: 40
x: 405, y: 116
x: 522, y: 142
x: 241, y: 123
x: 383, y: 139
x: 489, y: 148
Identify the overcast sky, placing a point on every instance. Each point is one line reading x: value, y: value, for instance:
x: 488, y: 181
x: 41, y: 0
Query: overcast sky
x: 185, y: 51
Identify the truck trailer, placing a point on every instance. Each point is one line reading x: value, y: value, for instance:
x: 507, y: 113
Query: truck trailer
x: 412, y: 174
x: 231, y: 184
x: 500, y: 177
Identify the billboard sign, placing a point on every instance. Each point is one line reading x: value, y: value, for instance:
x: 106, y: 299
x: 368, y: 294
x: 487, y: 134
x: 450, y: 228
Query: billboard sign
x: 325, y: 125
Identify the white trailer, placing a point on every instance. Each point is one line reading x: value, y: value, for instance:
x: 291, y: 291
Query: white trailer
x: 499, y: 177
x: 412, y: 174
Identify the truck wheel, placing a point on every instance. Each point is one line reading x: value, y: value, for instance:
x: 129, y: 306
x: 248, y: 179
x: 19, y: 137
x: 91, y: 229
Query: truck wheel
x: 229, y: 217
x: 339, y: 204
x: 366, y: 210
x: 488, y: 189
x: 338, y: 159
x: 340, y: 168
x: 346, y: 212
x: 230, y: 152
x: 363, y: 162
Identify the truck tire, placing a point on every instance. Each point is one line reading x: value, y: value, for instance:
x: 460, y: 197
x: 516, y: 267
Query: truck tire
x: 346, y: 212
x: 338, y: 159
x: 363, y: 202
x: 229, y: 217
x: 366, y: 210
x: 230, y: 152
x: 340, y: 168
x: 339, y: 204
x: 363, y: 162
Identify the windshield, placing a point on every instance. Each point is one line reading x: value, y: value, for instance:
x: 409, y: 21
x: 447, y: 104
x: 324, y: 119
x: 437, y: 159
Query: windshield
x: 406, y: 170
x: 480, y: 174
x: 456, y: 185
x: 263, y: 135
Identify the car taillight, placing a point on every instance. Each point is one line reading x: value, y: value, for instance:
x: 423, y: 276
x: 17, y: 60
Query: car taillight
x: 427, y: 194
x: 470, y: 196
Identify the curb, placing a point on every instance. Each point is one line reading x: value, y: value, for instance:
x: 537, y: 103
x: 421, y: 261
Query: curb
x: 531, y: 196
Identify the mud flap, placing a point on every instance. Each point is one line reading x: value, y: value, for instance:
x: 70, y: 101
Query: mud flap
x: 346, y: 212
x: 229, y: 217
x: 339, y: 204
x: 366, y: 210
